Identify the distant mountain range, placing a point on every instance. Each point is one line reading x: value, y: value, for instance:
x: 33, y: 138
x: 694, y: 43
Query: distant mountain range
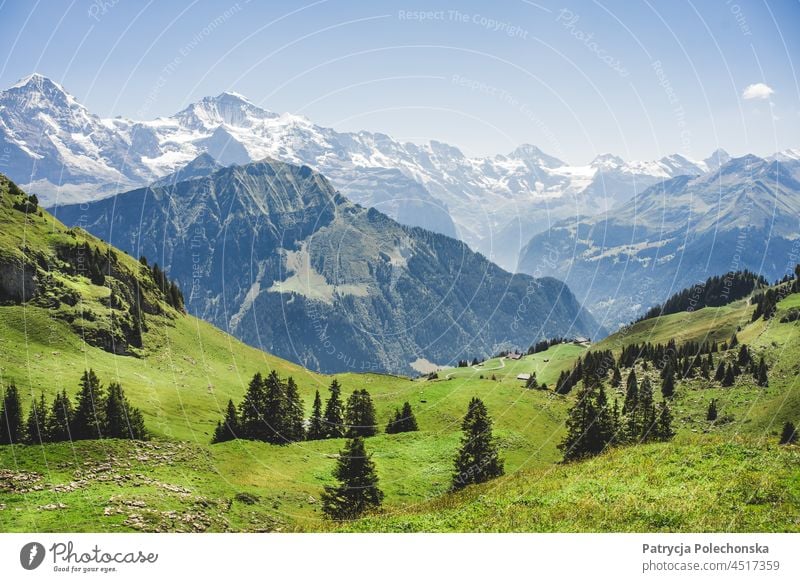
x: 272, y: 253
x: 744, y: 214
x: 55, y: 147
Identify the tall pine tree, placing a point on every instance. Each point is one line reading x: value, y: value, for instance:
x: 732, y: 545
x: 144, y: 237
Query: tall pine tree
x: 316, y: 427
x: 294, y: 417
x: 360, y: 415
x: 590, y: 423
x: 36, y: 426
x: 275, y: 409
x: 11, y: 422
x: 357, y: 491
x: 631, y: 393
x: 89, y: 418
x: 663, y: 429
x: 334, y: 412
x: 228, y: 429
x: 478, y: 459
x: 251, y: 410
x: 122, y: 421
x: 61, y: 419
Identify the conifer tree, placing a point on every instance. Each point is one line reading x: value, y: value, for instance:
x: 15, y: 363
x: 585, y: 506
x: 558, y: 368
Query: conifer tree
x: 316, y: 428
x: 89, y: 418
x: 275, y: 409
x: 631, y: 393
x: 744, y: 356
x: 36, y: 426
x: 531, y: 382
x: 294, y: 431
x: 734, y: 341
x: 251, y: 410
x: 408, y: 419
x: 761, y: 377
x: 334, y: 413
x: 705, y: 370
x: 711, y: 414
x: 645, y: 412
x: 616, y: 424
x: 11, y: 421
x: 788, y: 434
x: 730, y: 376
x: 395, y: 421
x: 402, y: 420
x: 590, y: 426
x: 360, y: 415
x: 115, y: 413
x: 357, y: 491
x: 228, y: 429
x: 668, y: 386
x: 478, y: 459
x: 663, y: 429
x: 719, y: 375
x: 616, y: 378
x: 61, y: 419
x: 122, y: 421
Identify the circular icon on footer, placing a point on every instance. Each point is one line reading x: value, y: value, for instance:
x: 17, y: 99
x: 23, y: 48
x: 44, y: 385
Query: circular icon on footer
x: 31, y: 555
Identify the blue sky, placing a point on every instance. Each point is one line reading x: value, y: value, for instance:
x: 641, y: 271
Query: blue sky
x: 639, y: 79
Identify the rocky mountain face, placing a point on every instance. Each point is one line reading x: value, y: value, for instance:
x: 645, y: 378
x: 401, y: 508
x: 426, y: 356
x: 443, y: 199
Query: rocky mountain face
x: 274, y: 254
x: 743, y: 214
x: 59, y: 150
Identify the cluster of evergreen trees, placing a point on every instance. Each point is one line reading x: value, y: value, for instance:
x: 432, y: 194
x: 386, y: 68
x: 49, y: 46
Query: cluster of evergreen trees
x: 767, y: 301
x: 594, y: 366
x: 92, y: 262
x: 593, y: 425
x: 691, y: 359
x: 402, y: 421
x: 172, y: 293
x: 97, y: 414
x: 533, y: 384
x: 24, y: 203
x: 467, y: 364
x: 272, y: 411
x: 714, y: 292
x: 727, y: 374
x: 546, y: 344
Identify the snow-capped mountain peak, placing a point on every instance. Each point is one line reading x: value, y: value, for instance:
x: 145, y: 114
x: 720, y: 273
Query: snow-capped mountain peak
x: 226, y: 108
x: 530, y: 153
x: 605, y: 162
x: 718, y: 158
x: 39, y: 93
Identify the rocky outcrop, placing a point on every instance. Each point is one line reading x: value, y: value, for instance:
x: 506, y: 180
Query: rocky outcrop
x: 18, y: 280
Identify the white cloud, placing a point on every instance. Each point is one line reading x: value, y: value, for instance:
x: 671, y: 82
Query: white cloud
x: 757, y: 91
